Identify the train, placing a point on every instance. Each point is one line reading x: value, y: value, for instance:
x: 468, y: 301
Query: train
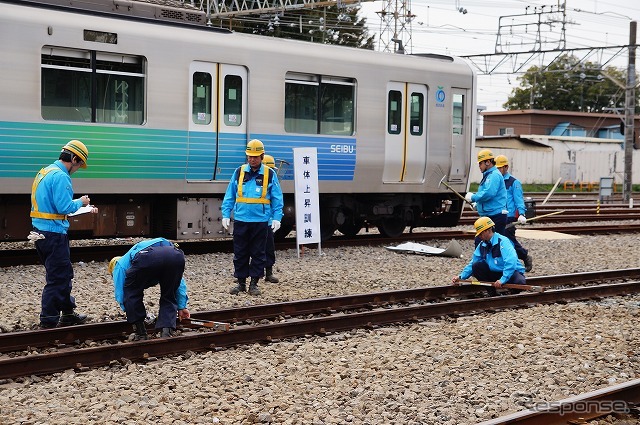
x: 166, y: 105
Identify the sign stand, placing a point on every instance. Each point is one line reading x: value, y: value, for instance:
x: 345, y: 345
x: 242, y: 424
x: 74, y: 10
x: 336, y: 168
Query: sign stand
x: 305, y: 170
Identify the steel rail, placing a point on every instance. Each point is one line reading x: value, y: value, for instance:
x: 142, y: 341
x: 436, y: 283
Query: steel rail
x: 14, y: 257
x: 72, y: 358
x: 20, y: 341
x: 578, y: 409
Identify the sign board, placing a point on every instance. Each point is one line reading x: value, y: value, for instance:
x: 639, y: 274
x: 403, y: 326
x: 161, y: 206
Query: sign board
x: 305, y: 170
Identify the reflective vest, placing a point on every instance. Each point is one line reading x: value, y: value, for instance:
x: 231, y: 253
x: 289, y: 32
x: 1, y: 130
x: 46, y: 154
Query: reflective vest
x: 265, y: 184
x: 38, y: 214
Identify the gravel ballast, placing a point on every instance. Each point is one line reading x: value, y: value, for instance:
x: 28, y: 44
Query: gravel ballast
x: 449, y: 371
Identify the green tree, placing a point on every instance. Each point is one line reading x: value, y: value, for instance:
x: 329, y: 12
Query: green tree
x: 329, y: 25
x: 568, y: 84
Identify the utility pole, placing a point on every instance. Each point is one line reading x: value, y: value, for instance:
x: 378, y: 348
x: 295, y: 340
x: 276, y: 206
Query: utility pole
x: 629, y: 113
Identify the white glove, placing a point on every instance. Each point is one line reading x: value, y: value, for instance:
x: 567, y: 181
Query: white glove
x: 275, y: 225
x: 225, y: 223
x: 34, y: 236
x: 522, y: 219
x: 474, y: 206
x: 468, y: 196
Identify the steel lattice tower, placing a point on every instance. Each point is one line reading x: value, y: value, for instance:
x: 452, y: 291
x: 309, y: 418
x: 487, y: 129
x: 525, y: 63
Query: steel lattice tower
x: 395, y: 26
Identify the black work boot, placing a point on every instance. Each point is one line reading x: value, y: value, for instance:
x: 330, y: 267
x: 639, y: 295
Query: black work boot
x: 528, y: 264
x: 240, y: 287
x: 269, y: 277
x: 140, y: 331
x: 167, y: 333
x: 70, y: 318
x: 253, y: 286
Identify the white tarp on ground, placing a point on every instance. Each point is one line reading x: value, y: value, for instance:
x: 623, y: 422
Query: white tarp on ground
x: 452, y: 250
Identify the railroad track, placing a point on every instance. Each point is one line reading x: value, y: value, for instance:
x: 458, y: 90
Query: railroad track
x: 15, y: 257
x: 82, y: 347
x: 620, y: 400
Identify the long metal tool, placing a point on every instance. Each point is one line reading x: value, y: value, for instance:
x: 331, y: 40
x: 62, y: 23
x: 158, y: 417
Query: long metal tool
x: 535, y: 218
x: 218, y: 326
x: 506, y: 285
x: 442, y: 182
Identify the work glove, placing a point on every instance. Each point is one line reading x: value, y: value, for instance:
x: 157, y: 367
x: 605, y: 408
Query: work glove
x: 522, y: 219
x: 468, y: 196
x: 275, y: 225
x: 225, y: 223
x: 474, y: 206
x: 34, y: 236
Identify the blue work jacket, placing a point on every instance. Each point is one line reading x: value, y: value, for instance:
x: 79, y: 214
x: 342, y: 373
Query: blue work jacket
x: 515, y: 196
x: 491, y: 197
x: 124, y: 262
x: 54, y: 195
x: 501, y: 257
x: 253, y: 212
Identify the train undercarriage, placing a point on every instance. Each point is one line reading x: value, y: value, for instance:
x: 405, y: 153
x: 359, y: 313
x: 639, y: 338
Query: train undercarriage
x: 180, y: 217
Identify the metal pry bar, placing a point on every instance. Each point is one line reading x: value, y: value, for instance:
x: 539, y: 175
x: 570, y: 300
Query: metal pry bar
x: 443, y: 182
x: 506, y: 285
x: 535, y: 218
x: 218, y: 326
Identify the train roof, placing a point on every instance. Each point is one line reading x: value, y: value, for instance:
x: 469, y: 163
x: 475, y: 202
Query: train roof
x: 165, y: 12
x: 161, y: 11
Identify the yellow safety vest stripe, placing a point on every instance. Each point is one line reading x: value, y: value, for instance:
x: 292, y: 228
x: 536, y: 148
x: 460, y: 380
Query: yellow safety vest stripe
x: 35, y: 213
x: 253, y: 200
x: 263, y: 195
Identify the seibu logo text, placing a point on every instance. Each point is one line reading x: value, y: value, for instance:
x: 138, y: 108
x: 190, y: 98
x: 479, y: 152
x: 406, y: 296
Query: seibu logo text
x: 343, y: 148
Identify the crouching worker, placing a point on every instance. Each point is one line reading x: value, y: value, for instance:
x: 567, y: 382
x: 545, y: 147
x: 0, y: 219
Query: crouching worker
x: 494, y: 259
x: 146, y: 264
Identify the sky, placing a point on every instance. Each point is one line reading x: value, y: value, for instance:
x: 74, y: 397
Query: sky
x: 441, y: 26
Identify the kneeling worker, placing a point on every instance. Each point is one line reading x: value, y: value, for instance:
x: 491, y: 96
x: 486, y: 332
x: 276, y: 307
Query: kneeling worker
x: 494, y: 259
x: 146, y: 264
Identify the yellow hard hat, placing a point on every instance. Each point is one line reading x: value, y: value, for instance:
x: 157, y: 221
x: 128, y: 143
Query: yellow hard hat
x: 269, y: 161
x: 112, y: 264
x: 485, y: 154
x: 501, y: 161
x: 255, y: 148
x: 482, y: 224
x: 79, y: 149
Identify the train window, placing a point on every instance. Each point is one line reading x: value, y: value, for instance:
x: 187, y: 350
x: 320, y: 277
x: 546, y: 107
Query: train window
x: 70, y: 77
x: 417, y: 114
x: 120, y: 84
x: 394, y: 112
x: 233, y: 100
x: 458, y: 113
x: 301, y: 107
x: 336, y: 115
x: 202, y: 87
x: 319, y: 104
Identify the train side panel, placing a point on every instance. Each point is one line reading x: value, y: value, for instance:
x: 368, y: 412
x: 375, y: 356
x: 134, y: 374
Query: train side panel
x: 155, y: 151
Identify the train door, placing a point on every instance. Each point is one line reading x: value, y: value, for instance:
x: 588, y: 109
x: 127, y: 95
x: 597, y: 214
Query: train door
x: 217, y: 119
x: 405, y: 136
x: 460, y: 133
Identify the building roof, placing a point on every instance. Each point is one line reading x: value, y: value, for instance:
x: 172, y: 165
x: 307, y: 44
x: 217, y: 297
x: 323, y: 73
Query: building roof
x: 512, y: 142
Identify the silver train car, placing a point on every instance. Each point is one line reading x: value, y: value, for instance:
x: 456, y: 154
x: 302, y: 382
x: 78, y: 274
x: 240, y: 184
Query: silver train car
x: 166, y: 105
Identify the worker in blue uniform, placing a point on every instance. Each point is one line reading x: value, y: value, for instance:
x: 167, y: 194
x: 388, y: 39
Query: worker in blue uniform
x: 255, y: 197
x: 494, y: 259
x: 516, y: 210
x: 270, y: 251
x: 146, y: 264
x: 51, y: 202
x: 491, y: 197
